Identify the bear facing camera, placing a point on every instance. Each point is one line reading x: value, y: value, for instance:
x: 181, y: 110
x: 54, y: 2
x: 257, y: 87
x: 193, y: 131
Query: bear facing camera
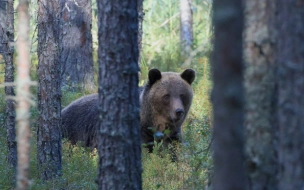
x: 165, y: 101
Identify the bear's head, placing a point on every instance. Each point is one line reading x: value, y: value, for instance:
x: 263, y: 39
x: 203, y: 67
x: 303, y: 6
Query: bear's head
x: 165, y: 102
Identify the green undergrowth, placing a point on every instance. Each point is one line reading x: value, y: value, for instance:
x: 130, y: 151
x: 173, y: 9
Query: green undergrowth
x: 79, y: 169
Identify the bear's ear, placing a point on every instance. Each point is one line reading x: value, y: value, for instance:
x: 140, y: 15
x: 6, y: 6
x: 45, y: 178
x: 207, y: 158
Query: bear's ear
x: 188, y: 75
x: 154, y: 75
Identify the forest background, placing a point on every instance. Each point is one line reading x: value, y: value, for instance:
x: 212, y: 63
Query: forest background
x: 160, y: 49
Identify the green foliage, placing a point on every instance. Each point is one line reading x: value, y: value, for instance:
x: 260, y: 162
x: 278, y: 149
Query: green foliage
x: 161, y: 45
x: 1, y: 69
x: 79, y: 169
x: 6, y: 172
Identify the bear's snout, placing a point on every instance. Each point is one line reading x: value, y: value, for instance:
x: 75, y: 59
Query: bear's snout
x: 179, y: 113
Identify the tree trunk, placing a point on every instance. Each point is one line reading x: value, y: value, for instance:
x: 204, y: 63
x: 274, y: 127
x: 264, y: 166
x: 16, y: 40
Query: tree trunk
x: 290, y: 59
x: 119, y: 135
x: 3, y: 19
x: 23, y: 96
x: 76, y: 59
x: 227, y: 96
x: 186, y: 33
x: 261, y: 125
x: 49, y: 93
x: 7, y: 51
x: 140, y: 30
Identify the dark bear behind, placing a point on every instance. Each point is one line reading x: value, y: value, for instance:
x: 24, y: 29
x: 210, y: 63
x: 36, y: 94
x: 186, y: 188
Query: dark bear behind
x: 80, y: 120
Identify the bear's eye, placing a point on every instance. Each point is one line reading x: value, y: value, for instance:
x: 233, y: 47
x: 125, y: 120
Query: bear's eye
x: 183, y: 97
x: 166, y: 97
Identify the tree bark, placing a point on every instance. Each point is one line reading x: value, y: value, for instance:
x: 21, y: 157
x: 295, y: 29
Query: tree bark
x: 23, y: 96
x: 227, y: 96
x: 186, y: 32
x: 119, y: 135
x: 261, y: 124
x: 3, y: 19
x: 290, y: 59
x: 140, y: 28
x: 77, y: 68
x: 7, y: 51
x: 49, y: 93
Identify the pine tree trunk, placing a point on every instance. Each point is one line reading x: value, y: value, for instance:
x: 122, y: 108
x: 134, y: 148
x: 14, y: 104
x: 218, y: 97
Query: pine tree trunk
x: 119, y: 135
x: 23, y: 96
x: 186, y: 33
x: 261, y: 125
x: 76, y: 59
x: 227, y: 96
x: 49, y: 93
x: 290, y: 59
x: 7, y: 51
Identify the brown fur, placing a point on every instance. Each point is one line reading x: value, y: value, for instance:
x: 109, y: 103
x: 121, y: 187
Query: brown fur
x: 165, y: 102
x: 158, y: 111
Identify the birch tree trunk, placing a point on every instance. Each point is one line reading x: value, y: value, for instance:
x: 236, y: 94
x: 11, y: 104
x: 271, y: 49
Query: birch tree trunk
x: 119, y: 135
x: 23, y: 96
x: 186, y: 32
x: 227, y: 96
x: 49, y: 149
x: 260, y: 82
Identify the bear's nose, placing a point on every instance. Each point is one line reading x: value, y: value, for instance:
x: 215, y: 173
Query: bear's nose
x: 179, y: 113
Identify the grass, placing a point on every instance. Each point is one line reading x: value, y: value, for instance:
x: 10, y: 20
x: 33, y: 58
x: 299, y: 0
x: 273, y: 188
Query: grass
x: 161, y: 50
x: 79, y: 170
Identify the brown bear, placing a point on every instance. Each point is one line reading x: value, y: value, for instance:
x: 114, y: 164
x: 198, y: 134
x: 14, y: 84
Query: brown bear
x: 165, y: 101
